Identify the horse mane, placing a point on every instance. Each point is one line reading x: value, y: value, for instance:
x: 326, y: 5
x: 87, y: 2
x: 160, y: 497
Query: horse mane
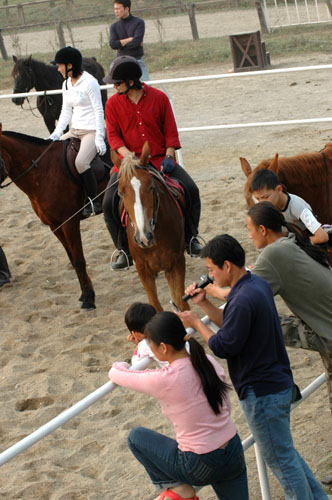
x: 27, y: 138
x: 128, y: 166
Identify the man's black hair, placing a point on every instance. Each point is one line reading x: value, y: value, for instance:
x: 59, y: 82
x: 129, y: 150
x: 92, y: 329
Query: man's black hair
x: 224, y: 247
x: 137, y: 316
x: 125, y: 3
x: 264, y: 178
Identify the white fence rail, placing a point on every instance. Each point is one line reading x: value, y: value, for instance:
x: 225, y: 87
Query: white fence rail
x: 285, y: 13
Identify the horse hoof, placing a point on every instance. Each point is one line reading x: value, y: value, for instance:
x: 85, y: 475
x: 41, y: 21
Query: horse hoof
x: 88, y: 306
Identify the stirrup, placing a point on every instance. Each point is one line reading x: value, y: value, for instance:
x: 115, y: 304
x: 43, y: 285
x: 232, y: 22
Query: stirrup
x: 128, y: 258
x: 190, y: 245
x: 89, y: 208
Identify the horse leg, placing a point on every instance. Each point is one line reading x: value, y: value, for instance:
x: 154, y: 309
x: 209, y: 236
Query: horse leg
x: 149, y: 282
x: 175, y: 279
x: 70, y: 237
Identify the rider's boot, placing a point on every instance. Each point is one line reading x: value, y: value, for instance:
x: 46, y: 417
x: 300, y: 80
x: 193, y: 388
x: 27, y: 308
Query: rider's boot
x: 194, y: 247
x: 124, y: 259
x: 91, y: 188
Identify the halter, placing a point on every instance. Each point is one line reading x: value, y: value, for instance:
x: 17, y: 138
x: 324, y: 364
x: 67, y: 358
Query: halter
x: 34, y: 163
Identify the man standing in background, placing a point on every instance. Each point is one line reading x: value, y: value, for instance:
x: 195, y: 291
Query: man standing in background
x: 126, y: 35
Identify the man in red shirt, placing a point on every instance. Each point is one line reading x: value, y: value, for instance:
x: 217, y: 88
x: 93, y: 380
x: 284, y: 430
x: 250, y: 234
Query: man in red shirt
x: 135, y: 114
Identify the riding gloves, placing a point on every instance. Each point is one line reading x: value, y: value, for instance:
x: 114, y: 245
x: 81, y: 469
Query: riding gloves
x: 167, y: 165
x: 100, y: 146
x: 54, y: 137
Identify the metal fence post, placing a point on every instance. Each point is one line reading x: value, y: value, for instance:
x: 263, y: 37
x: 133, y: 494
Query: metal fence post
x: 192, y: 19
x: 3, y: 48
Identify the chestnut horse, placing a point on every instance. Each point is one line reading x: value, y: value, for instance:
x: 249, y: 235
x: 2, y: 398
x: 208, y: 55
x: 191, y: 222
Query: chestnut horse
x: 155, y: 227
x: 308, y: 175
x: 36, y: 166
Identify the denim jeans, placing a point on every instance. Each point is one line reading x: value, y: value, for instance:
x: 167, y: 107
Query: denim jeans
x: 269, y: 419
x: 224, y: 469
x: 145, y: 75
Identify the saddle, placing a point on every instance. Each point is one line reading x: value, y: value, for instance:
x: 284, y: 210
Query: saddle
x: 100, y: 165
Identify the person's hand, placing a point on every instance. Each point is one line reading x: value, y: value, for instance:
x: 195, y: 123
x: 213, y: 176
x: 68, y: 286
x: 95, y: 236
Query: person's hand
x: 216, y: 291
x: 188, y: 318
x: 167, y: 165
x: 100, y: 146
x: 198, y: 295
x: 54, y: 137
x: 132, y: 339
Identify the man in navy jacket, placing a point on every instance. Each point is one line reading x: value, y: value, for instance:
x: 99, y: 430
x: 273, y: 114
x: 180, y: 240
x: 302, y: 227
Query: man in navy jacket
x: 126, y: 34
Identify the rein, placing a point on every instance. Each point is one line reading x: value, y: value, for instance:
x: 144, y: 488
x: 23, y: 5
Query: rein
x: 34, y: 163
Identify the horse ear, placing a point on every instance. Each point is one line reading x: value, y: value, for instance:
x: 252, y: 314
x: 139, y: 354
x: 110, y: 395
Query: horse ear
x: 274, y: 163
x: 15, y: 59
x: 144, y: 159
x: 246, y: 168
x: 115, y: 159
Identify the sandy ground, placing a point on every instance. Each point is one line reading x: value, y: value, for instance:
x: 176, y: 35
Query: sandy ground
x: 52, y: 354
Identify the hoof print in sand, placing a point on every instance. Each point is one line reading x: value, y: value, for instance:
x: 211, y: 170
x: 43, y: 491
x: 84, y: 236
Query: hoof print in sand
x: 33, y: 403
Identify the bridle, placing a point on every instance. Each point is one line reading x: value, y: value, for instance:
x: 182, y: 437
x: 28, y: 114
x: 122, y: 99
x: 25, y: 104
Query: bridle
x: 156, y: 198
x: 34, y: 163
x: 31, y: 83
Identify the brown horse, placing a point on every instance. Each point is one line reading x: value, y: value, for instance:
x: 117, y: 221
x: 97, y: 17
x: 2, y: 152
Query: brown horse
x: 155, y: 227
x: 308, y: 175
x: 36, y: 166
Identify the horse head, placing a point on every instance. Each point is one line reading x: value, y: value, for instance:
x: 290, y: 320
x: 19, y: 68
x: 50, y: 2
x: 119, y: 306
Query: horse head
x: 249, y: 173
x: 3, y: 169
x: 139, y: 195
x: 23, y: 78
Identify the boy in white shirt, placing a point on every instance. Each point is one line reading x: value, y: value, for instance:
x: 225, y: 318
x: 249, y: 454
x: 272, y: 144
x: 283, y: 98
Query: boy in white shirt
x: 265, y: 186
x: 136, y: 317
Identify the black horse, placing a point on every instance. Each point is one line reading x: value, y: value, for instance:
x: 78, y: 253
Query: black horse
x: 29, y: 73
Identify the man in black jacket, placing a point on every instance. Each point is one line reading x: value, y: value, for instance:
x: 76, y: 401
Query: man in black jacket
x: 126, y: 35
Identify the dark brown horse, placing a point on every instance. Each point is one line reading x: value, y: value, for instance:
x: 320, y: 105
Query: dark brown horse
x: 154, y: 226
x: 308, y: 175
x: 36, y: 166
x: 29, y: 73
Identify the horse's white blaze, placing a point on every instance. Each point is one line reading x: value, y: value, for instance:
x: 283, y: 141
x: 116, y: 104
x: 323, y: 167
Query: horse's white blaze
x: 138, y: 209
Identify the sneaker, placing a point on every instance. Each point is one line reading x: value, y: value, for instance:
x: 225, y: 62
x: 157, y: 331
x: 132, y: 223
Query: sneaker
x: 194, y: 247
x: 123, y: 261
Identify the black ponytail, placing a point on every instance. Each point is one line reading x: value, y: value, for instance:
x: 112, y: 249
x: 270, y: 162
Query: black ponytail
x: 167, y: 327
x: 267, y: 215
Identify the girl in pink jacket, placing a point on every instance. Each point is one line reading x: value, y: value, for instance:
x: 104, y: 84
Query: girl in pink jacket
x: 193, y: 395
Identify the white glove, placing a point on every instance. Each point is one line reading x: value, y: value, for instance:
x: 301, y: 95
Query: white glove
x: 54, y: 137
x: 100, y: 146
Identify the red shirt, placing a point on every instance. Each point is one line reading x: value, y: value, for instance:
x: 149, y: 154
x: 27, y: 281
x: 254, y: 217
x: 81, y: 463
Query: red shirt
x: 151, y: 119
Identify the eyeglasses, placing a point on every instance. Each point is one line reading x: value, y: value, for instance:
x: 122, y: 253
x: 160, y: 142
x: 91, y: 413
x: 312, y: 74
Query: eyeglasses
x: 117, y: 84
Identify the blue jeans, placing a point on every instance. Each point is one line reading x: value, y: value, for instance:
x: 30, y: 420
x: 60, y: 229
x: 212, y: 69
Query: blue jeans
x: 224, y: 469
x: 269, y: 419
x: 145, y: 75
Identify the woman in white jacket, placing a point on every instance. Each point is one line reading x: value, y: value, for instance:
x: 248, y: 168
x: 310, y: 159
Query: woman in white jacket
x: 82, y: 106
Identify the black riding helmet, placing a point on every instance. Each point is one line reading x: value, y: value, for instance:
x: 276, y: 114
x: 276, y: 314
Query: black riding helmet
x: 123, y: 69
x: 70, y: 55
